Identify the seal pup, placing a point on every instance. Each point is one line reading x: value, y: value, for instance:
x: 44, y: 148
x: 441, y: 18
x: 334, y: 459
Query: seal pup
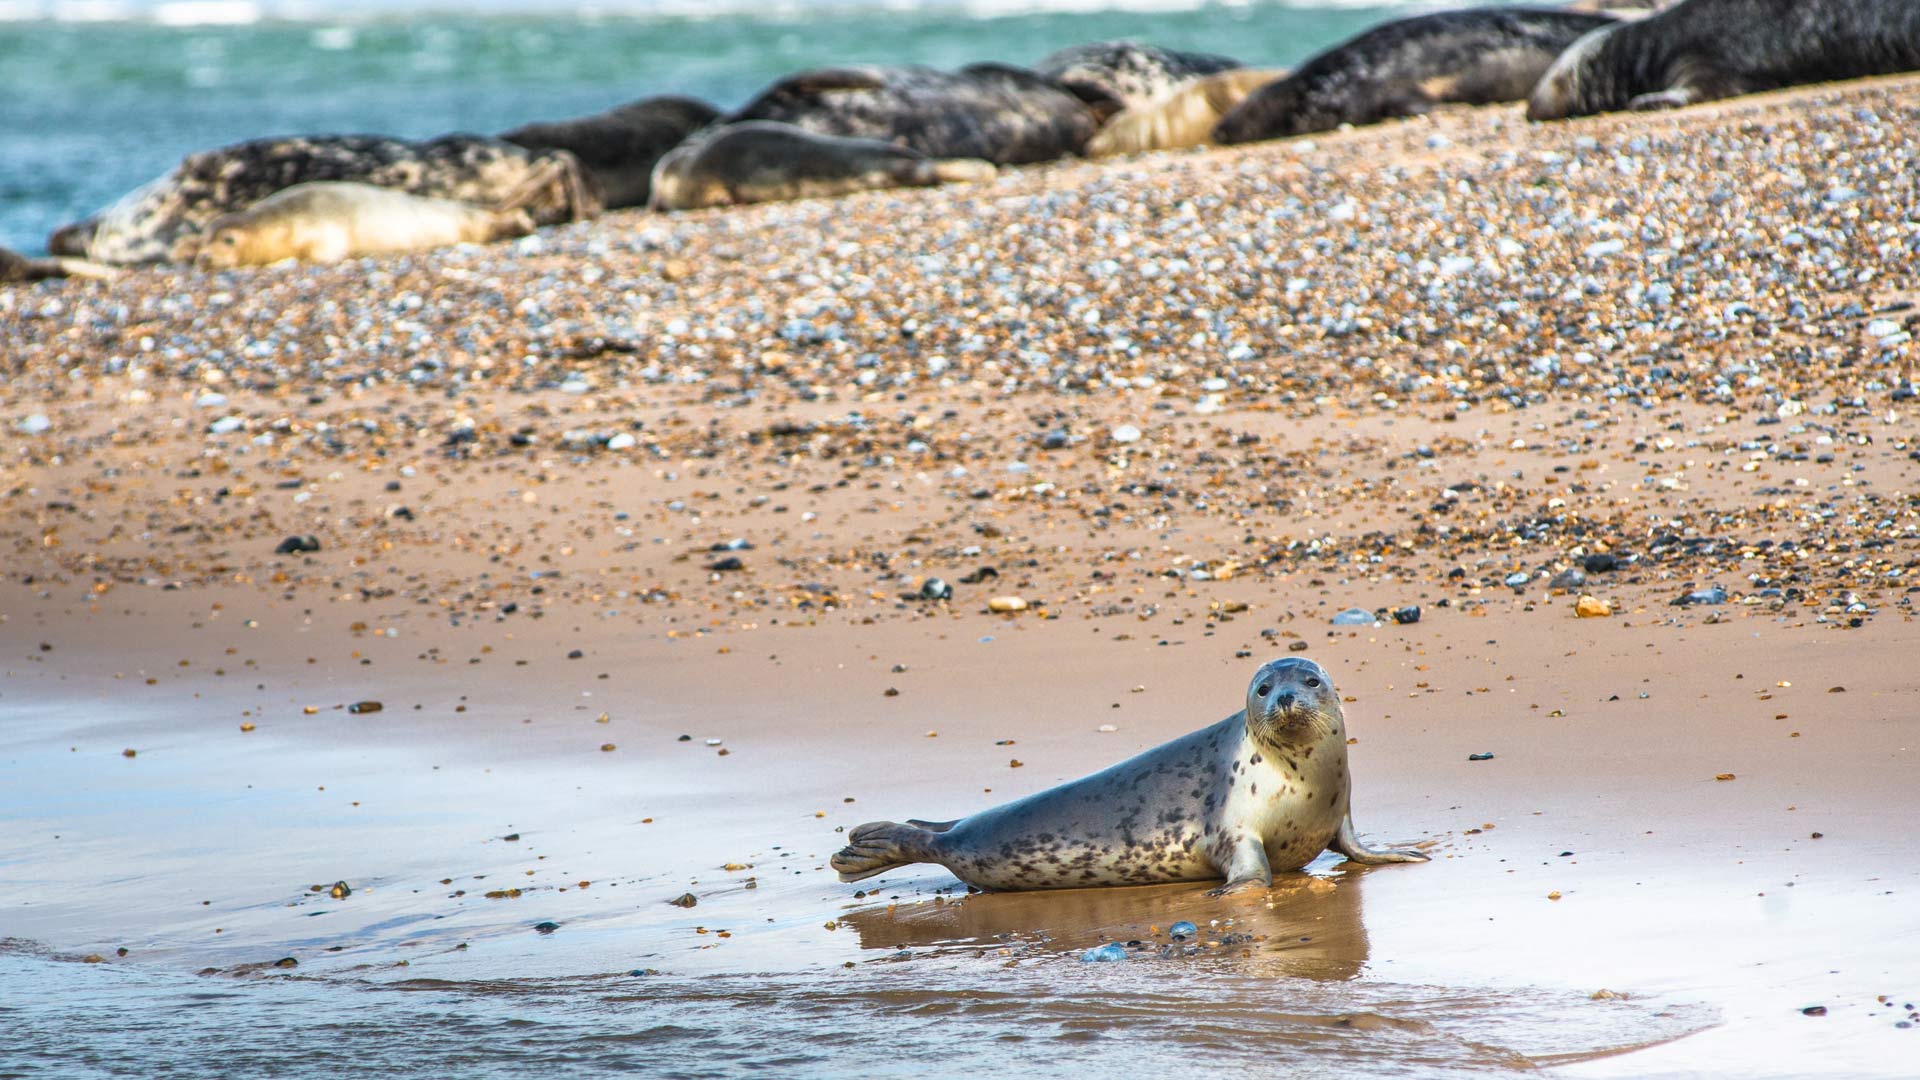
x: 619, y: 148
x: 1701, y: 50
x: 764, y: 161
x: 16, y: 268
x: 1407, y: 66
x: 1116, y: 75
x: 1186, y: 117
x: 327, y: 221
x: 145, y: 225
x: 992, y: 112
x: 1265, y: 789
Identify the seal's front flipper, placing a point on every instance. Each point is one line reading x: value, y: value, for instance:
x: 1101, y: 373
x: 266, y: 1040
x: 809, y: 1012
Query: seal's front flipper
x: 933, y: 826
x: 1348, y: 844
x: 880, y: 846
x: 1248, y: 868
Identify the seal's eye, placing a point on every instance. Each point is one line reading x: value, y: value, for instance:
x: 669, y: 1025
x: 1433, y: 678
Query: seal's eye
x: 1263, y: 689
x: 1312, y: 681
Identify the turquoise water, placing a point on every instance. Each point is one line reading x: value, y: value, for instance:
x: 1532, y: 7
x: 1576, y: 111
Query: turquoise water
x: 89, y: 111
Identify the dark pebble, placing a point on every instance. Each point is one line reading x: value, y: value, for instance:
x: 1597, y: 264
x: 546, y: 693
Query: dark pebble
x: 1814, y: 1010
x: 296, y: 545
x: 546, y: 927
x: 1407, y: 615
x: 980, y: 575
x: 365, y: 707
x: 1600, y: 564
x: 1488, y: 756
x: 1297, y: 646
x: 684, y: 900
x: 728, y: 563
x: 935, y: 589
x: 286, y: 962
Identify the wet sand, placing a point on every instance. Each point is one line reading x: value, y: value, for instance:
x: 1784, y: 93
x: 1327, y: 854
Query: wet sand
x: 1387, y: 368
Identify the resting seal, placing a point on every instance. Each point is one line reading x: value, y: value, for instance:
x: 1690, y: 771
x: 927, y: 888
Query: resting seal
x: 144, y: 225
x: 762, y: 161
x: 15, y: 268
x: 1183, y: 118
x: 1700, y: 50
x: 619, y: 148
x: 327, y: 222
x: 1115, y: 75
x: 992, y: 112
x: 1265, y: 789
x: 1405, y: 67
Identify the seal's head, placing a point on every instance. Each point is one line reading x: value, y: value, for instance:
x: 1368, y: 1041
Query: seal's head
x: 1292, y: 701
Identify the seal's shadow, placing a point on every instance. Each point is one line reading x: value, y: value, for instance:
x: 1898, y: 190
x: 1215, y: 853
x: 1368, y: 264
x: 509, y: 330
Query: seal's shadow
x: 1306, y: 926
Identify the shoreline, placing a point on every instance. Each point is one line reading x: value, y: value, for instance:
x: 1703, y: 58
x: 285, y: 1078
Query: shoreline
x: 1385, y: 426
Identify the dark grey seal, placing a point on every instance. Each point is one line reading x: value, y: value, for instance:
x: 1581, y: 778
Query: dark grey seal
x: 992, y: 112
x: 145, y: 225
x: 1115, y: 75
x: 1265, y: 789
x: 619, y: 148
x: 1701, y: 50
x: 764, y: 161
x: 1407, y: 66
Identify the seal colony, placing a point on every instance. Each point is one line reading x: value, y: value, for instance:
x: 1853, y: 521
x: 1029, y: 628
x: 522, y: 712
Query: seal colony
x: 1265, y: 790
x: 1091, y: 100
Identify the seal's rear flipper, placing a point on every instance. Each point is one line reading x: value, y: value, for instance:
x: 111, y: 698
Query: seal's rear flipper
x: 1348, y: 844
x: 880, y: 846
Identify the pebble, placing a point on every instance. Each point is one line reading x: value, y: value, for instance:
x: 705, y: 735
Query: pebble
x: 1814, y: 1010
x: 1518, y: 578
x: 684, y: 900
x: 36, y: 424
x: 1485, y: 756
x: 1568, y: 579
x: 546, y: 927
x: 365, y: 707
x: 298, y: 545
x: 1713, y: 595
x: 730, y: 563
x: 622, y: 441
x: 1125, y: 433
x: 935, y: 589
x: 1182, y: 929
x: 1592, y: 607
x: 1407, y: 616
x: 340, y: 891
x: 226, y: 425
x: 1353, y: 616
x: 1006, y: 604
x: 1109, y: 953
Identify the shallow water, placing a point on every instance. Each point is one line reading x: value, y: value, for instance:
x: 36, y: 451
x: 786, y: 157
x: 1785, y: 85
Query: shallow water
x: 91, y: 111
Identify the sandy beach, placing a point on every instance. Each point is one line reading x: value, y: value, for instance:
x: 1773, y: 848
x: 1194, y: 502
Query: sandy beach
x: 628, y: 530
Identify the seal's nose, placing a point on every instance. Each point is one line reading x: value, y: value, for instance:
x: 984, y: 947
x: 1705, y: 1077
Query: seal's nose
x: 1285, y: 702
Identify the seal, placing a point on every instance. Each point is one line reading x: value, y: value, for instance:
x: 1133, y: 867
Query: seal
x: 145, y: 225
x: 1702, y: 50
x: 991, y: 112
x: 327, y: 221
x: 619, y: 148
x: 1116, y: 75
x: 1405, y: 67
x: 1265, y: 789
x: 764, y: 161
x: 16, y: 268
x: 1186, y: 117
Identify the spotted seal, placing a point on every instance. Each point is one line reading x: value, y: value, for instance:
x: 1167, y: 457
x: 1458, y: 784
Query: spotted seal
x: 1183, y: 118
x: 990, y: 112
x: 146, y: 224
x: 328, y: 221
x: 764, y: 161
x: 619, y: 148
x: 1404, y: 67
x: 1116, y: 75
x: 1265, y: 789
x: 1701, y: 50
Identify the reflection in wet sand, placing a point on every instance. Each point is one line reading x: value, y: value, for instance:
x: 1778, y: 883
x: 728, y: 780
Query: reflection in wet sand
x: 1306, y: 926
